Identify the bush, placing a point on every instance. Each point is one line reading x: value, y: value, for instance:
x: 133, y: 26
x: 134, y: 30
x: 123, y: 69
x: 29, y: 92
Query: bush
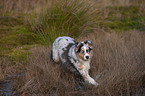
x: 62, y: 17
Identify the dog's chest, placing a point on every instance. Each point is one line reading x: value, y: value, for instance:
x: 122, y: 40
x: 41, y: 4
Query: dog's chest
x: 85, y: 65
x: 79, y: 64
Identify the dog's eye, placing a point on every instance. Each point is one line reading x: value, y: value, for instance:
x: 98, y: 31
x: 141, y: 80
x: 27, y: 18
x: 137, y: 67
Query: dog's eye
x: 83, y: 52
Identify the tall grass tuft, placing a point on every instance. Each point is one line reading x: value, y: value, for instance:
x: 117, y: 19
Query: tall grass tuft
x: 62, y: 17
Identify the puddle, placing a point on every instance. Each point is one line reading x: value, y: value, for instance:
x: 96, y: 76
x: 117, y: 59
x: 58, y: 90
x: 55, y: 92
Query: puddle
x: 5, y: 88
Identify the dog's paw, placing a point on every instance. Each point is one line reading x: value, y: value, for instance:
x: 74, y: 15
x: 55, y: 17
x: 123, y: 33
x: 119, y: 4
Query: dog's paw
x: 95, y: 83
x: 92, y: 81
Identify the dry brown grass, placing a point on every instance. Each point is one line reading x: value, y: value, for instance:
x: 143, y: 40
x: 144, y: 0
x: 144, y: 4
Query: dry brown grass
x: 6, y: 68
x: 118, y: 59
x: 15, y: 7
x: 44, y: 77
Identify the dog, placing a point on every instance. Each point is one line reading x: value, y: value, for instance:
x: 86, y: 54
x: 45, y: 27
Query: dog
x: 74, y: 56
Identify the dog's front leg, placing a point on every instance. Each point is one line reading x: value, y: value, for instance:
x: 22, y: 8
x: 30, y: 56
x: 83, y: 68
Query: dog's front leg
x: 91, y: 80
x: 84, y: 72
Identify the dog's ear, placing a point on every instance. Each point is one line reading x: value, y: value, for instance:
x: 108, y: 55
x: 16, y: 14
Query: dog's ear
x: 90, y: 43
x: 78, y: 46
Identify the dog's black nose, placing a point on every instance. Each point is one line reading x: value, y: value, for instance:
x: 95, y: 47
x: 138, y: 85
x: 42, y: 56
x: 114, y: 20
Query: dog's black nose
x: 87, y: 57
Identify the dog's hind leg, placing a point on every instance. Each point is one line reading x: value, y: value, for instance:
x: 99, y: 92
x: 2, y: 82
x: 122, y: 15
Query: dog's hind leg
x: 54, y: 54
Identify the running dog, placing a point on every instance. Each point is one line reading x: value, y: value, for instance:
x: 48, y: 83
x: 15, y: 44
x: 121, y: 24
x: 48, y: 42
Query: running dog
x: 74, y: 56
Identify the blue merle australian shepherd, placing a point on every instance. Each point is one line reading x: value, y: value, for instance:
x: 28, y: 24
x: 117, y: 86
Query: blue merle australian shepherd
x: 74, y: 56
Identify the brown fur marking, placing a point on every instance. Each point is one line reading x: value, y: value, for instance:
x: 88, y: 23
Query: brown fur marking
x: 81, y: 55
x: 81, y: 66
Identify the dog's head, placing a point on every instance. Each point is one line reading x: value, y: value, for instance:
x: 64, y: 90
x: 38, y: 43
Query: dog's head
x: 84, y: 49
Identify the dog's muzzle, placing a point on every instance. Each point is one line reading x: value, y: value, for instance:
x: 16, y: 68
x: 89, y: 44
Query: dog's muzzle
x: 86, y: 57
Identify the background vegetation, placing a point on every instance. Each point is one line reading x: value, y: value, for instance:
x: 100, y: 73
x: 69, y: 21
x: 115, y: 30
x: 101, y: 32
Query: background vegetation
x: 116, y: 27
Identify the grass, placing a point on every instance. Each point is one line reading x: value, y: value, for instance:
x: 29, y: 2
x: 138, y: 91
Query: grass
x: 120, y: 15
x: 120, y: 19
x: 119, y: 59
x: 59, y: 19
x: 15, y: 37
x: 115, y: 27
x: 19, y: 54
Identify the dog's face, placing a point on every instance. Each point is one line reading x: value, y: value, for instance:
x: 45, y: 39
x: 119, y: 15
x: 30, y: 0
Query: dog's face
x: 84, y: 49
